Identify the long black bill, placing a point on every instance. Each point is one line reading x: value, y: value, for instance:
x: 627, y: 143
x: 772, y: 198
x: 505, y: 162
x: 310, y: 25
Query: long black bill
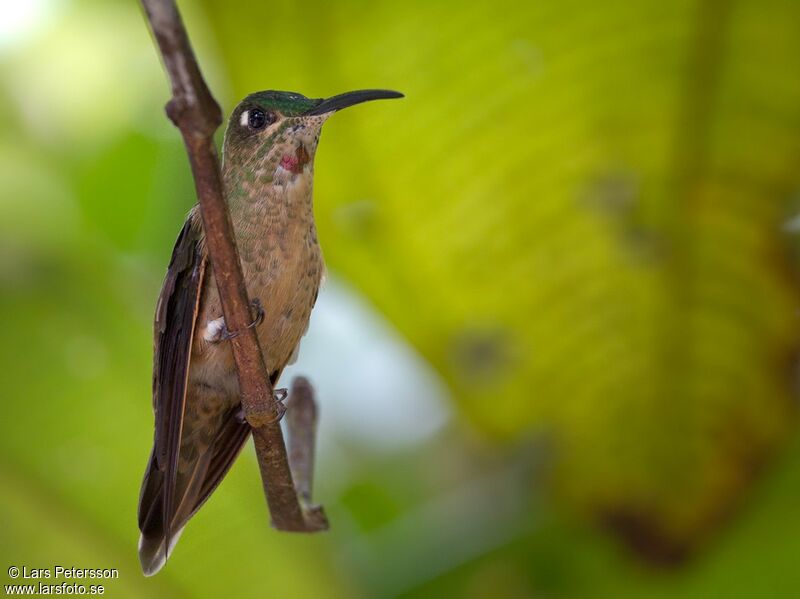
x: 352, y: 98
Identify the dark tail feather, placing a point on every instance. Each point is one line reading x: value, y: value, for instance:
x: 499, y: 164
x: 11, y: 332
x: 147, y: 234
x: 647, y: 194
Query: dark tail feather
x: 192, y: 490
x: 152, y: 552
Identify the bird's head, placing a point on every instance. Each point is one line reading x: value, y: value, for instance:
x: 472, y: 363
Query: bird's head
x: 274, y: 134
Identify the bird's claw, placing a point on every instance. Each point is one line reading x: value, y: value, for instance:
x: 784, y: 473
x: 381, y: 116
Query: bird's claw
x: 255, y: 303
x: 279, y: 395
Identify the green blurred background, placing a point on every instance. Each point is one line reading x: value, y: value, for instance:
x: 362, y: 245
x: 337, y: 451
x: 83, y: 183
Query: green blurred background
x: 557, y: 355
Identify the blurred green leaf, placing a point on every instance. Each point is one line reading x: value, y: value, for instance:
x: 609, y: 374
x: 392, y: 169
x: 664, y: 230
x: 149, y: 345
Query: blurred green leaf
x: 576, y: 216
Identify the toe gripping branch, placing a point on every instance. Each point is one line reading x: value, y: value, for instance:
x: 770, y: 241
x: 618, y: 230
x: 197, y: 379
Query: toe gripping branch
x: 279, y: 396
x: 255, y: 304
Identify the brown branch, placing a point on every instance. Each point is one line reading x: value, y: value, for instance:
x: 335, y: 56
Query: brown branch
x: 197, y: 115
x: 301, y: 416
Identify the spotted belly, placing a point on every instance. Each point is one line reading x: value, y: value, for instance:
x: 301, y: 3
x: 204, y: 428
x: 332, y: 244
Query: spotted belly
x: 287, y: 289
x: 287, y: 307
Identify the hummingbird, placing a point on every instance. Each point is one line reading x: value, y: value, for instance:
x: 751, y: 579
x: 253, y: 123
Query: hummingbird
x: 267, y: 173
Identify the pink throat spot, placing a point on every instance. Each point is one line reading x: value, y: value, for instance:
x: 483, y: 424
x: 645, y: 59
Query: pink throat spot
x: 291, y: 163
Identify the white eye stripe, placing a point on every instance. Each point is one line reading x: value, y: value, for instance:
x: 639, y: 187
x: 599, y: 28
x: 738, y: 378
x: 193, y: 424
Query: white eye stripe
x: 244, y: 118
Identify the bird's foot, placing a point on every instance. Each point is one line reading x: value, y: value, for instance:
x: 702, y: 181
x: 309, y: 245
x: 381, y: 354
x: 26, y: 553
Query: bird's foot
x: 224, y: 334
x: 279, y: 395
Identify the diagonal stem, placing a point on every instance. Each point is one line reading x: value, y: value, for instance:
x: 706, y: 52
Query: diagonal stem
x: 197, y: 115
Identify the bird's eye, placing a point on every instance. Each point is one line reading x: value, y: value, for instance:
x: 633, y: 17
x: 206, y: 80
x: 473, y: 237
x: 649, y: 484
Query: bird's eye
x: 258, y: 119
